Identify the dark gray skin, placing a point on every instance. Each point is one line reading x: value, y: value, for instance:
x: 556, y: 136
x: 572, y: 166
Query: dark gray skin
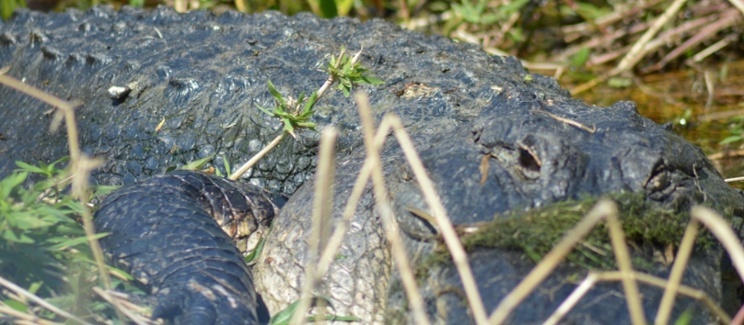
x: 204, y: 74
x: 163, y: 232
x: 534, y: 160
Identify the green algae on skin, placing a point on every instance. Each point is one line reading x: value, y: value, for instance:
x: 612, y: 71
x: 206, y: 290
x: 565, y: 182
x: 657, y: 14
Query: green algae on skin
x: 650, y: 232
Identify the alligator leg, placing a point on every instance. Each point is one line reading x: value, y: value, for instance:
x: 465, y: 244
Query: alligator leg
x: 164, y: 233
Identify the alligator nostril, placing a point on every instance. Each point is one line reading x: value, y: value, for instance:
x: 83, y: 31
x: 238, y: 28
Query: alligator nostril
x: 529, y: 163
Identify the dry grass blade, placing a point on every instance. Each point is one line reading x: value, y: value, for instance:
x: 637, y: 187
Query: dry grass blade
x: 710, y: 87
x: 21, y: 317
x: 80, y: 166
x: 336, y: 239
x: 739, y: 318
x: 592, y: 83
x: 734, y: 179
x: 675, y: 277
x: 700, y: 56
x: 622, y: 256
x: 683, y: 290
x: 603, y: 40
x: 386, y: 212
x: 131, y: 314
x: 714, y: 116
x: 596, y: 277
x: 323, y: 201
x: 573, y: 123
x: 551, y: 260
x: 64, y: 107
x: 619, y: 14
x: 722, y: 230
x: 245, y: 167
x: 451, y: 240
x: 571, y: 300
x: 80, y: 172
x: 727, y: 19
x: 636, y: 52
x: 739, y: 4
x: 41, y: 302
x: 626, y: 274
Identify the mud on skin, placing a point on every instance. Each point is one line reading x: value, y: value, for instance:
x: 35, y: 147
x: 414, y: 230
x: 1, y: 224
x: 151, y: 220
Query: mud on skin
x: 487, y: 134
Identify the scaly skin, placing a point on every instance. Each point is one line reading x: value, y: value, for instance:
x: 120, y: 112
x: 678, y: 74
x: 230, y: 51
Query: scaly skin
x: 163, y: 231
x: 493, y: 136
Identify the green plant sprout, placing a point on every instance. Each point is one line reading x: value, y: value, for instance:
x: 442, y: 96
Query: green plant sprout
x: 298, y: 113
x: 48, y: 249
x: 736, y: 132
x: 8, y: 6
x: 474, y: 13
x: 289, y: 112
x: 284, y: 316
x: 349, y: 72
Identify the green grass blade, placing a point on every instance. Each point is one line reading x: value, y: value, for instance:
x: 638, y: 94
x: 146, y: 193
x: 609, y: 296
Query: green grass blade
x: 328, y: 8
x: 75, y: 241
x: 275, y: 93
x: 197, y: 164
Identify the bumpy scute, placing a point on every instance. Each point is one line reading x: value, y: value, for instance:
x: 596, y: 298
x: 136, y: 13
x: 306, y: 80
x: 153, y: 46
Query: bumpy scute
x: 493, y: 137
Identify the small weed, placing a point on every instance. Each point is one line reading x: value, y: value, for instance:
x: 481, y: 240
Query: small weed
x: 294, y: 114
x: 284, y: 316
x: 251, y: 258
x: 197, y: 164
x: 44, y: 247
x: 38, y: 226
x: 8, y: 6
x: 736, y: 131
x: 297, y: 113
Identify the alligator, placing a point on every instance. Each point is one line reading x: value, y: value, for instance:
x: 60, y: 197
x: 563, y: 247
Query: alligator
x: 497, y: 141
